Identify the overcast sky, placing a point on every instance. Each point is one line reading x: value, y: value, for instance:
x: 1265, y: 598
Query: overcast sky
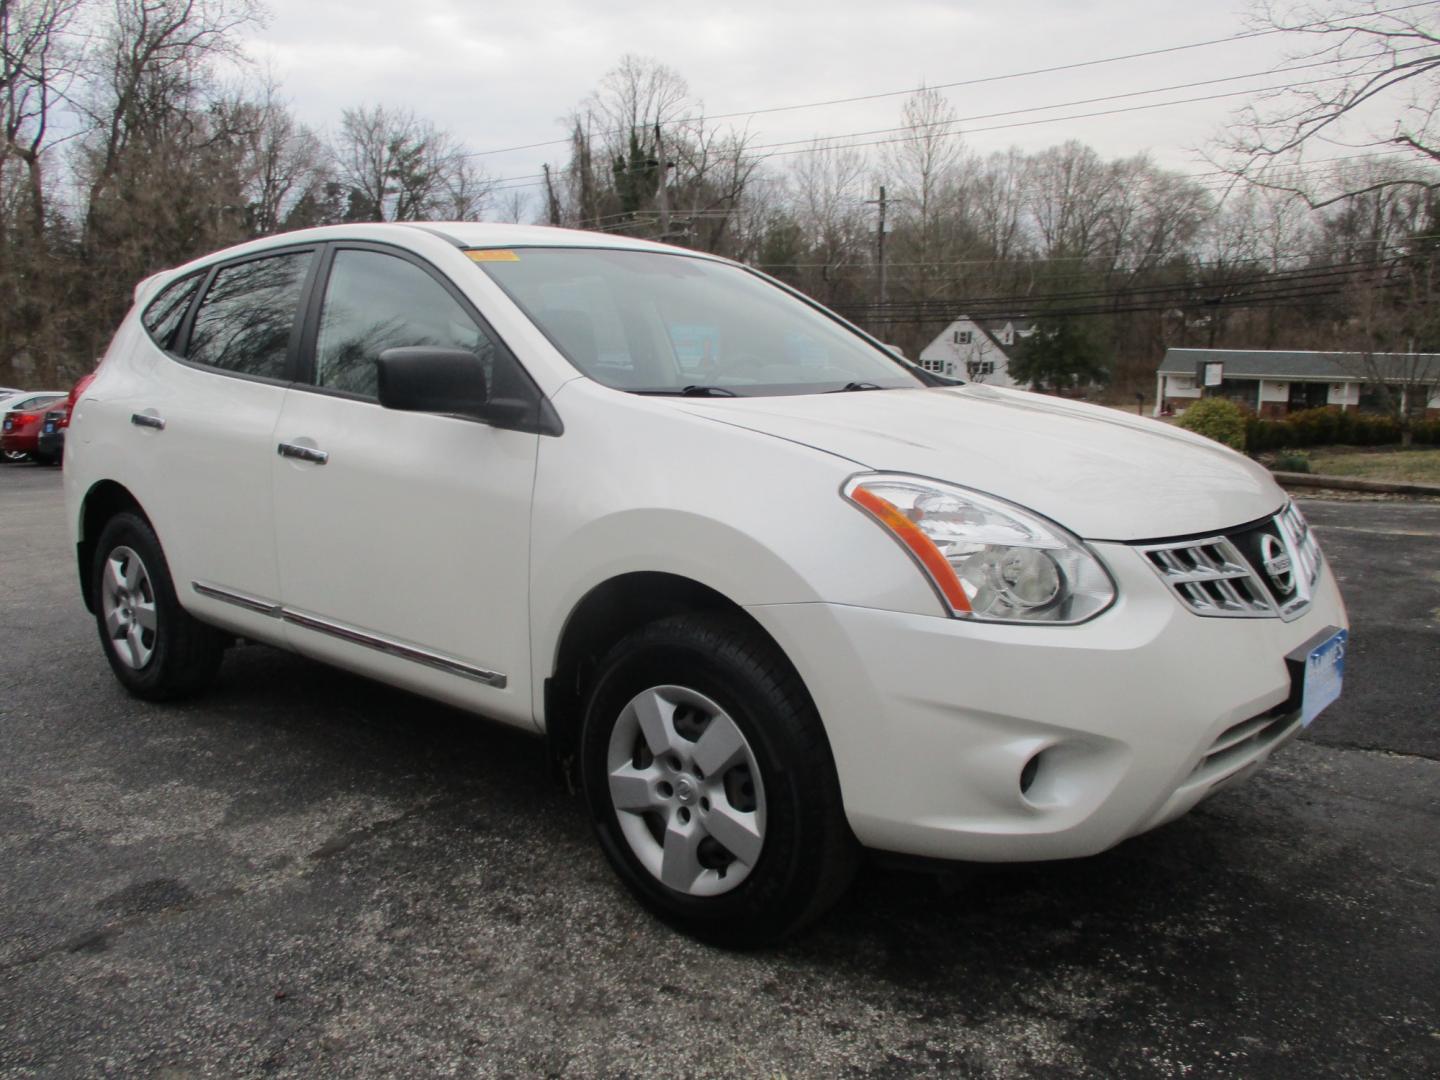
x: 500, y: 74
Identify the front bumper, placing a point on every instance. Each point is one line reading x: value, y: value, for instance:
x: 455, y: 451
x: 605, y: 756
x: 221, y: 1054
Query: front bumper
x: 1136, y: 716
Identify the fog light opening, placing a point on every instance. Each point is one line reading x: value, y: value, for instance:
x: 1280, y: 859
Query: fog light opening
x: 1029, y: 772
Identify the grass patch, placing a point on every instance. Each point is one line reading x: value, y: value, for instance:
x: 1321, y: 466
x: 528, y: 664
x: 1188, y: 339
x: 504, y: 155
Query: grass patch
x: 1416, y: 466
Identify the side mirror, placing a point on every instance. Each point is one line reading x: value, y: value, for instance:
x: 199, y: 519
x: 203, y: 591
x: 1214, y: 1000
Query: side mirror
x: 435, y: 379
x: 428, y: 378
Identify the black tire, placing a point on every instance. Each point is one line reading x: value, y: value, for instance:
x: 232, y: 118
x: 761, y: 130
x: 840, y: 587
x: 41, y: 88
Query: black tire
x: 184, y: 654
x: 14, y: 457
x: 809, y: 856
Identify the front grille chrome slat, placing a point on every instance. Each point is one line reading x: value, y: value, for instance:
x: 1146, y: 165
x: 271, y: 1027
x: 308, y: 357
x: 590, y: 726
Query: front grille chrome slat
x: 1213, y: 577
x: 1204, y: 574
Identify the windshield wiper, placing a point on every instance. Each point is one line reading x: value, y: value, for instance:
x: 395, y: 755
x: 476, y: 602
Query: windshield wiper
x: 695, y: 390
x: 851, y: 387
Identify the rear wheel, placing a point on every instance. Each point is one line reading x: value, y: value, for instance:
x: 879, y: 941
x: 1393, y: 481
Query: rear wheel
x: 155, y: 647
x: 711, y: 783
x: 15, y: 456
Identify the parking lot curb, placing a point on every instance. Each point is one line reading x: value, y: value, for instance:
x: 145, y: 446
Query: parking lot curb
x: 1348, y: 483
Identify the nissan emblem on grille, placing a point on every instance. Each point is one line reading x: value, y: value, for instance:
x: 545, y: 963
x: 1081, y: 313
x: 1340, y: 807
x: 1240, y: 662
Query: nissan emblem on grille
x: 1276, y: 561
x: 1262, y: 570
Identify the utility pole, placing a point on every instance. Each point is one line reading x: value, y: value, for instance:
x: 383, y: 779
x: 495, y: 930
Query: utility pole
x: 880, y: 250
x: 662, y: 192
x: 552, y: 201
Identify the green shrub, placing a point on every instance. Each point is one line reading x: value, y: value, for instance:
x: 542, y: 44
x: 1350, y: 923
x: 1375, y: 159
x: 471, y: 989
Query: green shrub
x: 1218, y: 419
x: 1426, y: 432
x: 1291, y: 462
x: 1265, y: 434
x: 1329, y: 427
x: 1317, y: 427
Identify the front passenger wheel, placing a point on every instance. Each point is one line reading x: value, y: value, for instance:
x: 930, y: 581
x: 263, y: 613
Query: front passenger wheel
x: 711, y: 782
x: 155, y: 647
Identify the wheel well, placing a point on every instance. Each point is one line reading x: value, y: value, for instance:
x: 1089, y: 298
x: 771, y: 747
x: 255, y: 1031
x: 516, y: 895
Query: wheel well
x: 102, y: 502
x: 606, y: 614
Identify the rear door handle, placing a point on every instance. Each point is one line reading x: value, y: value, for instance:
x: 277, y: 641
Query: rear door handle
x: 303, y: 453
x: 149, y: 420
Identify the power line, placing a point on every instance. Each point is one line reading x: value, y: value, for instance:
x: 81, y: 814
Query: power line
x: 820, y: 144
x: 1164, y: 295
x: 1249, y: 34
x: 1022, y: 261
x: 1042, y: 120
x: 1254, y: 299
x: 1137, y: 93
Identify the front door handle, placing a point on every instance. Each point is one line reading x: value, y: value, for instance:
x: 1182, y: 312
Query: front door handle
x: 303, y: 453
x: 149, y: 420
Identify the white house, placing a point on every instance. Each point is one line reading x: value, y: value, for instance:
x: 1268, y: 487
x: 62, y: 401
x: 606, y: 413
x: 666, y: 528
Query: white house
x: 975, y: 349
x: 1276, y: 382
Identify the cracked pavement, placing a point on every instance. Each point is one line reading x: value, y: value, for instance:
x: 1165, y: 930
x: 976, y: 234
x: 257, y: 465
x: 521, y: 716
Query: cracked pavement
x: 304, y: 873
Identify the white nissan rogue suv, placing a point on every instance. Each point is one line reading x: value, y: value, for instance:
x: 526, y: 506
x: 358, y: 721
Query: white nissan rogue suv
x: 772, y: 593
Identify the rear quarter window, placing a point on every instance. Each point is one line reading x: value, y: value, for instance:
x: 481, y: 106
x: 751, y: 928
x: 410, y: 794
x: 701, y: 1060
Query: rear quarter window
x: 163, y: 316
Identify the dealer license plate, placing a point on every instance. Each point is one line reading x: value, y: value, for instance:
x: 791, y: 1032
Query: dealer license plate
x: 1324, y: 670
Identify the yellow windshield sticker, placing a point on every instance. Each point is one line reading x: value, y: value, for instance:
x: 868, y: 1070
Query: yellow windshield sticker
x: 493, y: 255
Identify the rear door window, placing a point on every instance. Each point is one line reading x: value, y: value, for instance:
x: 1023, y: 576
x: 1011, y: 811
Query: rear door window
x: 245, y: 320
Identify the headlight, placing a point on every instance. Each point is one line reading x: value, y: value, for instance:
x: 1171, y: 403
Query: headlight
x: 988, y: 559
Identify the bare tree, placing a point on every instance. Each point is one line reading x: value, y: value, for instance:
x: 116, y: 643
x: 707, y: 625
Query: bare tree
x: 466, y: 187
x: 997, y: 200
x: 1378, y: 85
x: 154, y: 57
x: 924, y: 163
x: 38, y: 59
x: 400, y: 167
x: 829, y: 190
x: 644, y: 161
x: 1392, y: 311
x: 1070, y: 192
x: 286, y: 164
x: 514, y: 206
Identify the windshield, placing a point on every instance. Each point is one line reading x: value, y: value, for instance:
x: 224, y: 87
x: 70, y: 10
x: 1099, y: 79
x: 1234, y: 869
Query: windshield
x: 650, y: 322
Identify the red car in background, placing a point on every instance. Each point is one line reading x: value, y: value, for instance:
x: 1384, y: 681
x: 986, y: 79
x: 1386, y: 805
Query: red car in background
x: 50, y: 446
x: 23, y: 416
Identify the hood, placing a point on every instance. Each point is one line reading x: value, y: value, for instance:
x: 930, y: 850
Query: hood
x: 1102, y: 474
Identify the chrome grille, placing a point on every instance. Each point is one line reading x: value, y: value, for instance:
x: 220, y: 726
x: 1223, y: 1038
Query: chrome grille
x: 1211, y: 577
x: 1226, y: 576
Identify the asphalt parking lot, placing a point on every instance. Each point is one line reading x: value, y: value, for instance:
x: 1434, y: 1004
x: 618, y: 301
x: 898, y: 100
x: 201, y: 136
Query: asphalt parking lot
x: 305, y: 873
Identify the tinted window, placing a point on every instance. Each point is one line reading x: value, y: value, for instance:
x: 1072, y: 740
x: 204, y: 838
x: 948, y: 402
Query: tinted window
x: 375, y: 302
x: 243, y: 324
x: 167, y: 311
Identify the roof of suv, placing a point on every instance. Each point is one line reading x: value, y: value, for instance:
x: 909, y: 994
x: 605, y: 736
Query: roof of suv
x: 460, y: 233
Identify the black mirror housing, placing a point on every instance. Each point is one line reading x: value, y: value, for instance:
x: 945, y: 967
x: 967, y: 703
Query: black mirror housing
x: 426, y: 378
x: 450, y: 381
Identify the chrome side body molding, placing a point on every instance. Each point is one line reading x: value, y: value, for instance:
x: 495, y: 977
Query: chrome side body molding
x: 249, y: 603
x: 389, y: 646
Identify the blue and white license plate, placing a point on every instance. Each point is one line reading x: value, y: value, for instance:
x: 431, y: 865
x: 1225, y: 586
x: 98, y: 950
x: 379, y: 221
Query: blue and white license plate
x: 49, y: 427
x: 1324, y: 671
